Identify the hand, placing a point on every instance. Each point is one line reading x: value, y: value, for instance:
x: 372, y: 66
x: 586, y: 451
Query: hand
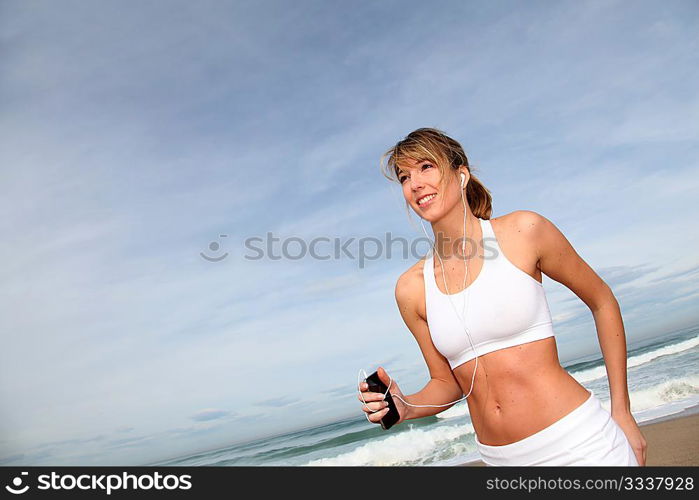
x: 375, y: 406
x: 628, y: 424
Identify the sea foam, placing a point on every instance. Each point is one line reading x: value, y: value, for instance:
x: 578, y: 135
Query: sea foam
x: 412, y: 447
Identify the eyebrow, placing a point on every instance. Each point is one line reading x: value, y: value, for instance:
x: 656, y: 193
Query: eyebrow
x: 419, y: 163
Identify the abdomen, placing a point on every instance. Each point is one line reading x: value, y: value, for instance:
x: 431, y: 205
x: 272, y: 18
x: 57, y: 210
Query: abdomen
x: 518, y: 391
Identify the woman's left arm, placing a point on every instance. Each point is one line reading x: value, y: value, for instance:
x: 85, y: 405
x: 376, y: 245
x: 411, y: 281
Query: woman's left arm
x: 560, y: 262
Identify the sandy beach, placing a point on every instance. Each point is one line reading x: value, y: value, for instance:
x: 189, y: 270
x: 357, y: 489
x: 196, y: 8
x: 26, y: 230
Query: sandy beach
x: 672, y: 440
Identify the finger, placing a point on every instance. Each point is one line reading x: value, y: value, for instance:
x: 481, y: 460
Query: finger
x: 371, y: 396
x: 374, y: 407
x: 383, y: 376
x: 376, y: 417
x: 364, y: 388
x: 365, y: 392
x: 640, y: 457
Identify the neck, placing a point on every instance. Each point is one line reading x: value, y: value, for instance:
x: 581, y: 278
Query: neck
x: 449, y: 231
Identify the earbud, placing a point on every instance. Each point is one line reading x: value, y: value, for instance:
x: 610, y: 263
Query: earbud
x: 463, y: 179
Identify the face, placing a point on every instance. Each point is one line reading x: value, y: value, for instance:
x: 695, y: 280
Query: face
x: 421, y: 188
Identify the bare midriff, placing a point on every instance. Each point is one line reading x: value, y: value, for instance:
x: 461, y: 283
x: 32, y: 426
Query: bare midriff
x: 518, y: 391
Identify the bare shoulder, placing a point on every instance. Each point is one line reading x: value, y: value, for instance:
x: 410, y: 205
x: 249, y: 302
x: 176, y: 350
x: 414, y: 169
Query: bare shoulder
x: 526, y: 222
x: 559, y: 260
x: 525, y: 236
x: 410, y: 289
x: 525, y: 227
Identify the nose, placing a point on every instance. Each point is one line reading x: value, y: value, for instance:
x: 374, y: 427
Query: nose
x: 416, y: 182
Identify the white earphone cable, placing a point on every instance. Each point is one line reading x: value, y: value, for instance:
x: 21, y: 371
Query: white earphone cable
x: 462, y: 318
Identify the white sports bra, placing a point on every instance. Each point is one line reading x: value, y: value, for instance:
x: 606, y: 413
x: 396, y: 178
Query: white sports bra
x: 505, y: 307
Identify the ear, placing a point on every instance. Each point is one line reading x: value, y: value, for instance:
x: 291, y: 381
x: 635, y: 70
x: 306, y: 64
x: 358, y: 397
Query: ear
x: 464, y: 170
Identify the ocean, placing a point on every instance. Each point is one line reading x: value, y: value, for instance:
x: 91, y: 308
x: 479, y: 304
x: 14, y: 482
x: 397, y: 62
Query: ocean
x: 663, y: 379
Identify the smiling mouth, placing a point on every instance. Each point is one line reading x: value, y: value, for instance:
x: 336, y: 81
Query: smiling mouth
x: 426, y: 200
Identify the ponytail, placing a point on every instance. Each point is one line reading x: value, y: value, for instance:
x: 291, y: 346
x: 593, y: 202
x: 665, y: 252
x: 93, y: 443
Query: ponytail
x: 479, y: 198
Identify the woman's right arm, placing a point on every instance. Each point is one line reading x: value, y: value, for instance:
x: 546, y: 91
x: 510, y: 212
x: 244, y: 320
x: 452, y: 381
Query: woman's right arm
x: 442, y: 387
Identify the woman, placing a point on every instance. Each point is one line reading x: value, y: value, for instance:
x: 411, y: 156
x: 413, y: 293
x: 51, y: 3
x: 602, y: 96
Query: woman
x: 525, y: 408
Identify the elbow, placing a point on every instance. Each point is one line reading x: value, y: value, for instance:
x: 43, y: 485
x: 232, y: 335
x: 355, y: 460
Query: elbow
x: 605, y: 300
x: 456, y: 392
x: 451, y: 388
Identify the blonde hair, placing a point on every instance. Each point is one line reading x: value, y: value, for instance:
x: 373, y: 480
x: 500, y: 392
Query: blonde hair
x: 447, y: 155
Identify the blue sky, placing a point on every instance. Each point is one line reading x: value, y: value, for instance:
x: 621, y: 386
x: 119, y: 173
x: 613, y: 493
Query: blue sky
x: 135, y: 133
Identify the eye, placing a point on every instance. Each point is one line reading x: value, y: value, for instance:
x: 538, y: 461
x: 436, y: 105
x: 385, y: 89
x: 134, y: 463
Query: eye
x: 402, y: 178
x: 426, y: 165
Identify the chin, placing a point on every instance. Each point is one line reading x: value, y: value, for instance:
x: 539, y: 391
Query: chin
x: 431, y: 215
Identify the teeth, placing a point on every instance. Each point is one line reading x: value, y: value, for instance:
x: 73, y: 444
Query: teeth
x: 426, y: 198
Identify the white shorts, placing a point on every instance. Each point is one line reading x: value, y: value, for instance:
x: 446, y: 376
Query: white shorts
x: 586, y: 436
